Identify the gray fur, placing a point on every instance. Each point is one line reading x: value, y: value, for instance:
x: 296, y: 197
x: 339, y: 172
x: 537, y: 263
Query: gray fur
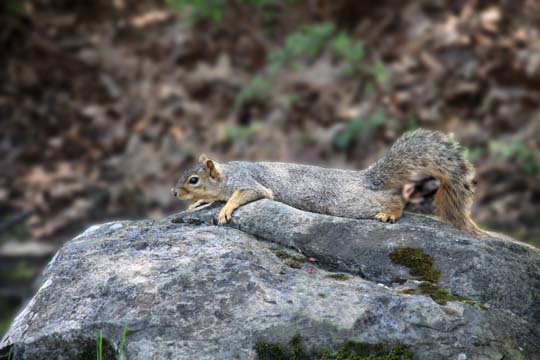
x: 359, y: 194
x: 335, y: 192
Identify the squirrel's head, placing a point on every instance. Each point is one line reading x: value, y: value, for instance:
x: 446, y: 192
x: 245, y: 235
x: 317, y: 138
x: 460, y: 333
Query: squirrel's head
x: 200, y: 181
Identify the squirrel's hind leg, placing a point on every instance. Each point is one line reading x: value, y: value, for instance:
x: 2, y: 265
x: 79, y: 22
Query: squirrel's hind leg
x: 391, y: 211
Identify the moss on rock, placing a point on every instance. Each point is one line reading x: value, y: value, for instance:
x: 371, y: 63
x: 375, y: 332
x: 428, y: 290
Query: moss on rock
x: 439, y: 294
x: 294, y: 350
x: 340, y: 277
x: 293, y: 261
x: 350, y: 350
x: 419, y: 263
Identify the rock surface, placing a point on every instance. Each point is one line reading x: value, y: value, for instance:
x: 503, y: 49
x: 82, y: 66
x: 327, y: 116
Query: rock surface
x: 192, y: 290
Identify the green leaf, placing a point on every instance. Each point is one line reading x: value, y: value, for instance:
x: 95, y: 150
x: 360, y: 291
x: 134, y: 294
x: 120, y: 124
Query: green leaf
x: 360, y: 127
x: 258, y: 88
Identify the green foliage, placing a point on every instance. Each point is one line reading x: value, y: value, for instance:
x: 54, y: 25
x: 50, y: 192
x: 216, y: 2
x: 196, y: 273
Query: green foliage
x: 99, y: 344
x: 20, y: 272
x: 7, y: 313
x: 350, y: 350
x: 295, y: 350
x: 534, y: 241
x: 379, y: 72
x: 267, y: 351
x: 10, y: 354
x: 411, y: 125
x: 215, y: 9
x: 303, y: 46
x: 235, y: 133
x: 201, y: 9
x: 473, y: 154
x: 122, y: 341
x: 419, y: 263
x: 352, y: 52
x: 257, y: 88
x: 308, y: 41
x: 358, y: 128
x: 527, y: 158
x: 13, y: 7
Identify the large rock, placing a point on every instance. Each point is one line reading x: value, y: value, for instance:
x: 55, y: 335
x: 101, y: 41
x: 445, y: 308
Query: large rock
x: 192, y: 290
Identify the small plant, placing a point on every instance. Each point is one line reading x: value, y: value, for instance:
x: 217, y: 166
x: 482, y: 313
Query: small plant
x: 201, y: 9
x: 527, y: 158
x: 257, y: 88
x: 99, y: 344
x: 349, y: 350
x: 352, y: 52
x: 122, y: 341
x: 235, y: 133
x: 308, y: 41
x: 10, y: 354
x: 215, y: 10
x: 358, y: 128
x: 304, y: 46
x: 473, y: 154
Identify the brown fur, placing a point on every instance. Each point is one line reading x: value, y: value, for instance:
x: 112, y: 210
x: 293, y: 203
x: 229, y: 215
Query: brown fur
x: 425, y: 152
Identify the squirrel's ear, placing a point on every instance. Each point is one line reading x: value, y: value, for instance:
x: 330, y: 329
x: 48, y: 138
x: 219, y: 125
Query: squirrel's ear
x: 203, y: 158
x: 211, y: 169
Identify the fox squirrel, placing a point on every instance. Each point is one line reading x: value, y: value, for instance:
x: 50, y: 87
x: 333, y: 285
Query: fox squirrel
x: 375, y: 192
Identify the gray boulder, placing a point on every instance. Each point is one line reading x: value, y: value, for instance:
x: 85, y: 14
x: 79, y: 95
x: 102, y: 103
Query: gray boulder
x: 191, y: 290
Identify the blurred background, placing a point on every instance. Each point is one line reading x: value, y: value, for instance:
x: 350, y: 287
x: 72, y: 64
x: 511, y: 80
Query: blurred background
x: 103, y: 102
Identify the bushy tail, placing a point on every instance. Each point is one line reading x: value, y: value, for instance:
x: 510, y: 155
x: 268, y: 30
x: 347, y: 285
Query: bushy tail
x: 425, y: 152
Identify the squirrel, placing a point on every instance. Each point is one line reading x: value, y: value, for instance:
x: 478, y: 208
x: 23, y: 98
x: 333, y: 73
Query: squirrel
x: 376, y: 192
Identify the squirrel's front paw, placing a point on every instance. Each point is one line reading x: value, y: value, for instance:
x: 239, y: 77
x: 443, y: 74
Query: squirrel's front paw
x: 387, y: 217
x: 225, y: 215
x: 196, y: 204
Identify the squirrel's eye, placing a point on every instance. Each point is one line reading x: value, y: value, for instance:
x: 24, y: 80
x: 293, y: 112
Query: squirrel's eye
x: 193, y: 180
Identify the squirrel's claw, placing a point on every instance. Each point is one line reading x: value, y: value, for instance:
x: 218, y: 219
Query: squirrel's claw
x: 225, y: 215
x: 386, y: 217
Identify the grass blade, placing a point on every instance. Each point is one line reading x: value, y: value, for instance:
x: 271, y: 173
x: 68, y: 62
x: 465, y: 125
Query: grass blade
x: 122, y: 341
x: 99, y: 349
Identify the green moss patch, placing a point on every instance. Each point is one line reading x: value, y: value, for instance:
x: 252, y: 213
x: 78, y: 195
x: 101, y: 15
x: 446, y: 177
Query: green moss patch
x: 419, y: 263
x: 293, y: 261
x: 293, y: 351
x: 439, y: 294
x: 350, y: 350
x: 340, y: 277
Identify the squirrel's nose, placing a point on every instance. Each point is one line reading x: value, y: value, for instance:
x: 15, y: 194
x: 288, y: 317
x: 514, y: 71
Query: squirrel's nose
x: 173, y: 191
